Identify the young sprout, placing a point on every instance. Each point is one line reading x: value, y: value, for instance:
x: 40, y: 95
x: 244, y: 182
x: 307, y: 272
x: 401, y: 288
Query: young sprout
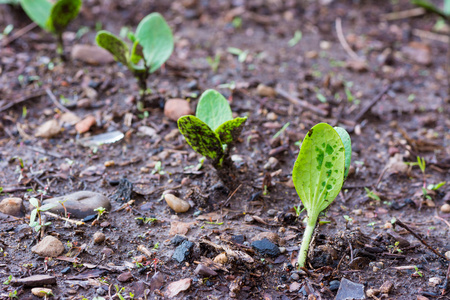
x: 36, y: 213
x: 152, y: 45
x: 213, y: 131
x: 319, y: 173
x: 52, y: 16
x: 100, y: 211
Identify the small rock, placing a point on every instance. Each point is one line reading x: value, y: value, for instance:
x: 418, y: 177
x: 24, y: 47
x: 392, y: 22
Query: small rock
x: 372, y: 292
x: 93, y: 55
x: 205, y: 271
x: 266, y: 247
x: 386, y: 287
x: 79, y: 204
x: 176, y: 287
x: 125, y: 276
x: 147, y: 131
x: 350, y: 290
x: 272, y: 116
x: 271, y: 164
x: 183, y: 251
x: 282, y: 250
x: 445, y: 208
x: 295, y: 286
x: 176, y: 108
x: 41, y: 292
x: 35, y: 280
x: 447, y: 254
x: 325, y: 45
x: 48, y: 130
x: 12, y: 206
x: 85, y: 124
x: 157, y: 281
x: 177, y: 204
x: 265, y: 91
x: 221, y: 259
x: 99, y: 237
x: 418, y: 52
x: 69, y: 118
x: 434, y: 281
x: 272, y: 212
x: 295, y: 276
x: 334, y: 285
x: 107, y: 251
x: 49, y: 247
x: 177, y: 239
x: 357, y: 65
x: 109, y: 163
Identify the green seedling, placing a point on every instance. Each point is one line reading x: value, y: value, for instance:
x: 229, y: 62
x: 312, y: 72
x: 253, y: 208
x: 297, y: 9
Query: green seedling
x: 372, y: 195
x: 100, y: 211
x: 213, y: 131
x: 13, y: 295
x: 417, y: 271
x: 52, y: 17
x: 8, y: 281
x: 279, y: 132
x: 158, y: 169
x: 319, y: 173
x: 146, y: 220
x: 214, y: 63
x: 433, y: 187
x: 36, y: 213
x: 152, y: 45
x: 297, y: 37
x: 422, y: 165
x: 241, y: 54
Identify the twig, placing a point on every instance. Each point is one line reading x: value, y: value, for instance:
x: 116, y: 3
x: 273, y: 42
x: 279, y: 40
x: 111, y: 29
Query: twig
x: 302, y: 103
x: 232, y: 194
x: 371, y: 103
x: 64, y: 219
x: 443, y: 220
x: 18, y: 34
x: 403, y: 225
x: 430, y: 35
x: 55, y: 101
x: 343, y: 41
x: 10, y: 103
x: 43, y: 151
x: 397, y: 15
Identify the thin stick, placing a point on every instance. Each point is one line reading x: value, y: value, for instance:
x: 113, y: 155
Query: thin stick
x: 19, y: 33
x: 401, y: 224
x: 302, y: 103
x: 443, y: 220
x: 343, y: 41
x: 430, y: 35
x: 371, y: 103
x: 20, y: 100
x: 55, y: 101
x: 65, y: 219
x: 232, y: 194
x: 397, y: 15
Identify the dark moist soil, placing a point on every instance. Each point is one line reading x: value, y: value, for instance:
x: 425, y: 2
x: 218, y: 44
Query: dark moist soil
x: 411, y: 119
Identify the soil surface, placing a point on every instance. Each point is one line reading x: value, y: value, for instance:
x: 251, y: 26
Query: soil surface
x: 388, y: 89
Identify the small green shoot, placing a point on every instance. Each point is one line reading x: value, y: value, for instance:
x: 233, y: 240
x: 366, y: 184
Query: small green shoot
x: 152, y: 45
x: 100, y: 211
x: 298, y: 210
x: 296, y: 39
x: 213, y: 131
x: 241, y: 54
x: 432, y: 187
x: 156, y: 246
x: 36, y: 213
x: 146, y: 220
x: 372, y: 195
x: 158, y: 169
x: 8, y: 281
x: 285, y: 126
x: 422, y: 165
x: 13, y: 295
x: 214, y: 63
x: 319, y: 173
x: 417, y: 271
x: 52, y: 16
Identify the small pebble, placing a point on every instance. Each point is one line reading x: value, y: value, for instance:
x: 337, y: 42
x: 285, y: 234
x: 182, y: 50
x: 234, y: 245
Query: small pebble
x: 99, y: 237
x: 445, y: 208
x: 282, y: 249
x: 334, y: 285
x: 41, y: 292
x: 265, y: 91
x: 109, y: 163
x: 447, y: 254
x: 272, y: 116
x: 221, y: 259
x: 434, y: 281
x: 205, y: 271
x: 271, y: 164
x: 177, y: 204
x: 124, y: 277
x: 295, y: 276
x: 372, y: 292
x: 272, y: 212
x: 386, y: 287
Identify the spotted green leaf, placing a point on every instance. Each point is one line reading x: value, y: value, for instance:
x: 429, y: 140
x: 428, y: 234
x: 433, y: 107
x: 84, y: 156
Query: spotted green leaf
x: 156, y: 39
x: 114, y: 45
x: 201, y: 138
x: 230, y: 130
x: 318, y: 172
x: 213, y: 109
x: 345, y: 138
x: 62, y: 13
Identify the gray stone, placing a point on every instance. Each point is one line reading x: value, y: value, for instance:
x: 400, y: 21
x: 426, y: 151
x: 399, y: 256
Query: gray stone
x: 205, y: 271
x: 49, y: 247
x: 35, y: 280
x: 93, y: 55
x: 79, y: 204
x: 266, y: 247
x: 12, y: 206
x: 183, y: 251
x: 350, y: 290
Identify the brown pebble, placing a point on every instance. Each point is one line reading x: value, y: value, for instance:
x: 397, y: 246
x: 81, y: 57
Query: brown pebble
x: 265, y: 91
x: 445, y: 208
x: 85, y: 124
x: 386, y: 287
x: 221, y: 258
x: 176, y: 108
x: 93, y: 55
x: 99, y: 237
x: 41, y: 292
x: 109, y: 163
x: 205, y: 271
x: 177, y: 204
x: 125, y: 276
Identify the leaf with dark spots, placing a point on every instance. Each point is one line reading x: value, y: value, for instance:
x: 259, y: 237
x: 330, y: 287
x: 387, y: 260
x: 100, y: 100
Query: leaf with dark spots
x: 230, y: 130
x: 114, y: 45
x: 201, y: 138
x: 62, y: 13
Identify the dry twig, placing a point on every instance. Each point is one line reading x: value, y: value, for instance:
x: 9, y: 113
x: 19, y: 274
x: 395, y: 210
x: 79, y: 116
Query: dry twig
x: 343, y: 41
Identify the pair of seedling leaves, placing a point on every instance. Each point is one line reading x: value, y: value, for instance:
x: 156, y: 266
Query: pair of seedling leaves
x: 319, y: 173
x: 52, y: 17
x: 152, y: 46
x: 212, y: 131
